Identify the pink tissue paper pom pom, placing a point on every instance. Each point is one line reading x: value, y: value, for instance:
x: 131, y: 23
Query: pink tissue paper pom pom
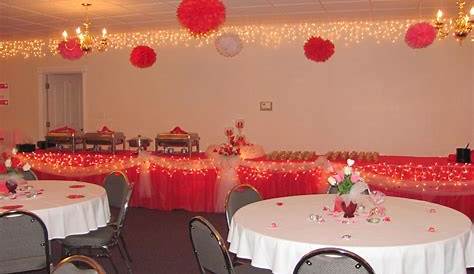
x: 420, y: 35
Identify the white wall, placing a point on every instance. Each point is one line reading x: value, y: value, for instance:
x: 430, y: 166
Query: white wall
x: 370, y: 97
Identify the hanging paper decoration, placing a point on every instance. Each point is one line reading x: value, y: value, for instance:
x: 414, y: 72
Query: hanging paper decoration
x: 228, y: 44
x: 318, y: 50
x: 142, y: 57
x: 420, y: 35
x: 201, y: 16
x: 70, y: 49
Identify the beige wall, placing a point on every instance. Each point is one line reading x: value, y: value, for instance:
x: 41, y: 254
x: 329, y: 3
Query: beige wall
x: 385, y: 98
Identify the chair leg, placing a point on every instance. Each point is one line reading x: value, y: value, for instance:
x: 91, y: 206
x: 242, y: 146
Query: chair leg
x: 125, y: 248
x: 113, y: 264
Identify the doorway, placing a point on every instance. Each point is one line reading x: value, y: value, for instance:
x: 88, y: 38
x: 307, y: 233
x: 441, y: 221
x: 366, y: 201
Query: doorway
x: 63, y: 101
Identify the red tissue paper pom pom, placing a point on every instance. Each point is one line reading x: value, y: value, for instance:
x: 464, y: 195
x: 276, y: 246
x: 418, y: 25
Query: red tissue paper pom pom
x: 318, y: 49
x: 420, y: 35
x: 70, y: 49
x: 201, y: 16
x: 142, y: 57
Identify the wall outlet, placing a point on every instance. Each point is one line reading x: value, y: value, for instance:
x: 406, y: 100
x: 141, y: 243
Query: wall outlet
x: 266, y: 106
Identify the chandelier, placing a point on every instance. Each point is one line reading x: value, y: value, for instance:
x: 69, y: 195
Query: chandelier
x: 88, y: 41
x: 461, y: 25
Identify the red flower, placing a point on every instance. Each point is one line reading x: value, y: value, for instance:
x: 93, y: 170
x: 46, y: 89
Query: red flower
x: 201, y: 16
x: 142, y: 57
x: 318, y: 49
x: 70, y: 49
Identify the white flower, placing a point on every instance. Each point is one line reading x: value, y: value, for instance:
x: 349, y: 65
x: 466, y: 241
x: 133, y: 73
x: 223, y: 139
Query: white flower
x: 347, y: 170
x: 8, y: 163
x: 332, y: 181
x: 14, y: 151
x: 26, y: 167
x: 350, y: 162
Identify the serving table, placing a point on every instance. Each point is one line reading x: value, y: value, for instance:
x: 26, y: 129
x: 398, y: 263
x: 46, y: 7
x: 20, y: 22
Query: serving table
x: 65, y: 207
x: 98, y: 138
x: 417, y: 237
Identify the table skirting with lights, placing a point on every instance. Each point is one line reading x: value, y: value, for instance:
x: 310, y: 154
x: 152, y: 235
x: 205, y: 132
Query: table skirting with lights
x: 200, y: 183
x: 162, y: 182
x: 434, y: 179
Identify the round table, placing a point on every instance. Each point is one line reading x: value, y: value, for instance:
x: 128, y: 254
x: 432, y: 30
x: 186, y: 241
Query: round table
x: 418, y: 237
x: 66, y: 207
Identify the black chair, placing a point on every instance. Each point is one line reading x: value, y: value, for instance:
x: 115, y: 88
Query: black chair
x: 239, y: 196
x: 68, y: 266
x: 24, y: 244
x: 211, y: 253
x: 332, y: 261
x: 119, y: 191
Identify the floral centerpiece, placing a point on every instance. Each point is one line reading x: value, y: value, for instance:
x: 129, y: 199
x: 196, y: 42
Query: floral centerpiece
x: 349, y: 186
x: 10, y: 171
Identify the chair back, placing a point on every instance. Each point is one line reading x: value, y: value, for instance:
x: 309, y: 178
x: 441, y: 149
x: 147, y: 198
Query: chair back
x: 332, y: 261
x: 24, y: 242
x: 67, y: 266
x: 29, y: 175
x: 116, y: 185
x: 209, y: 247
x: 123, y: 210
x: 239, y: 196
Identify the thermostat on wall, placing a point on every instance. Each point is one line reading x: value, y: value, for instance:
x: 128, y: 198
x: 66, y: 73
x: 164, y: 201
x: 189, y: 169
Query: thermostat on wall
x: 266, y: 106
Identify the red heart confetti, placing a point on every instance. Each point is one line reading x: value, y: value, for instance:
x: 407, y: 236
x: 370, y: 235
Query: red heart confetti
x: 325, y: 208
x: 274, y: 225
x: 387, y: 219
x: 77, y: 186
x: 75, y: 196
x: 279, y: 203
x: 431, y: 229
x: 11, y: 207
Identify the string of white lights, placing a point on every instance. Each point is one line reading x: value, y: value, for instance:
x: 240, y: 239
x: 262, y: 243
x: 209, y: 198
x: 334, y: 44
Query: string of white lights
x: 344, y: 32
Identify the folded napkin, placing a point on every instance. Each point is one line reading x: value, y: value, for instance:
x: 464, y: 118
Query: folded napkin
x: 178, y: 130
x: 63, y: 130
x: 105, y: 130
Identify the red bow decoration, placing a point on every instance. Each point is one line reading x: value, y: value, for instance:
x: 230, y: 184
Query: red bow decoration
x: 105, y: 130
x: 178, y: 130
x: 63, y: 130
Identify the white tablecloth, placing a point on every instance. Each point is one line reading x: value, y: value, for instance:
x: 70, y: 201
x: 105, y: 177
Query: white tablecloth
x: 401, y: 245
x: 64, y: 216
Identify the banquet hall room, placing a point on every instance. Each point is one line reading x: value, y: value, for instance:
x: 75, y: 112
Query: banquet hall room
x: 237, y: 136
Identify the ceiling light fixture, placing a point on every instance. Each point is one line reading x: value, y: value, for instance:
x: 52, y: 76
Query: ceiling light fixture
x: 461, y: 25
x: 88, y: 41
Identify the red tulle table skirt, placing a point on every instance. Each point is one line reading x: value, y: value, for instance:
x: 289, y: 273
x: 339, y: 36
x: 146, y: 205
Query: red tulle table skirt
x: 168, y: 190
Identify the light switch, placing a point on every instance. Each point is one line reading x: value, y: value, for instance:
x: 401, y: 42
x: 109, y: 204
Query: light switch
x: 266, y: 106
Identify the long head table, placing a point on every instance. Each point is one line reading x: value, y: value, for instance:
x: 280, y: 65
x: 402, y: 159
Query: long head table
x: 195, y: 183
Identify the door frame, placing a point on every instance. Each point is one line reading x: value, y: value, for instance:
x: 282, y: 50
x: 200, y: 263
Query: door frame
x: 42, y: 72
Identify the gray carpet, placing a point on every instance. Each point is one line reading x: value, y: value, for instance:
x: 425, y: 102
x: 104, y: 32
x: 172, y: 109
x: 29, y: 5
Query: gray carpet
x: 159, y: 242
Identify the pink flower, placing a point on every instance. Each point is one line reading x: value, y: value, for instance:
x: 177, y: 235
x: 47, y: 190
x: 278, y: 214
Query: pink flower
x: 355, y: 178
x: 338, y: 177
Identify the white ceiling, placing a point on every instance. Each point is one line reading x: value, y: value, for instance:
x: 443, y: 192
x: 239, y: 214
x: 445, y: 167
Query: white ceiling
x: 21, y: 19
